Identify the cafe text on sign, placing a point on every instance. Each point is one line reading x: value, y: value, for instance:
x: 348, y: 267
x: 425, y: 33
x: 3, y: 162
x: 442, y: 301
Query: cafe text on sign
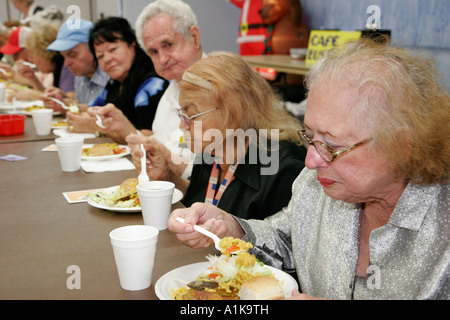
x: 323, y: 40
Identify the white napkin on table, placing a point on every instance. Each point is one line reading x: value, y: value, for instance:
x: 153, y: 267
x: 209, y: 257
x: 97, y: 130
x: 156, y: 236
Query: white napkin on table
x: 109, y: 165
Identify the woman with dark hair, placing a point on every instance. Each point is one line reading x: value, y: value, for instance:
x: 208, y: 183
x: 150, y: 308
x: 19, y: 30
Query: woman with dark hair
x: 135, y: 88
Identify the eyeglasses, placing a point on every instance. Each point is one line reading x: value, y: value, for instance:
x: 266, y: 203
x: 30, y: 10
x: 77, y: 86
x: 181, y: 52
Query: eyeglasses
x: 327, y: 153
x: 187, y: 120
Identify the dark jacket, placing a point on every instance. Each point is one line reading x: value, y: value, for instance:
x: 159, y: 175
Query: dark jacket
x: 140, y: 94
x: 252, y: 195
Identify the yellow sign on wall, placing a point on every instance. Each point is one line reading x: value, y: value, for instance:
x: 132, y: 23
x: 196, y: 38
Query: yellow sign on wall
x: 322, y: 40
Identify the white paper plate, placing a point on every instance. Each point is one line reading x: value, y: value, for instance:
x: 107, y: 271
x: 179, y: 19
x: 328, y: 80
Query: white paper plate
x: 64, y: 133
x: 28, y: 113
x: 20, y: 105
x: 179, y: 277
x: 103, y: 158
x: 177, y: 196
x: 56, y: 124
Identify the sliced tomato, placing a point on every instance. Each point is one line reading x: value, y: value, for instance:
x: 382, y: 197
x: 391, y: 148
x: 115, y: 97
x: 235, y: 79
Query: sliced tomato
x: 213, y: 275
x: 119, y: 150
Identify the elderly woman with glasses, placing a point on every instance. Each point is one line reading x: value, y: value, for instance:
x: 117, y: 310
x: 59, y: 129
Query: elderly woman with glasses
x: 247, y: 149
x: 369, y: 216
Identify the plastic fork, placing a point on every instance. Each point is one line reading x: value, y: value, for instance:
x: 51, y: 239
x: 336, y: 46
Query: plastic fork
x: 6, y: 73
x: 29, y: 64
x: 71, y: 108
x: 206, y: 233
x: 62, y: 104
x: 99, y: 122
x: 143, y: 177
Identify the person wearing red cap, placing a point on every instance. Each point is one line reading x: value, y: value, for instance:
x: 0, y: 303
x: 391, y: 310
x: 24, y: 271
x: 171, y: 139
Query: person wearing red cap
x: 16, y: 43
x: 15, y: 47
x: 36, y: 43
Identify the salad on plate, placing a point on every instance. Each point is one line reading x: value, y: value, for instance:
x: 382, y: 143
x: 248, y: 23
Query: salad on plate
x: 124, y: 196
x: 232, y: 277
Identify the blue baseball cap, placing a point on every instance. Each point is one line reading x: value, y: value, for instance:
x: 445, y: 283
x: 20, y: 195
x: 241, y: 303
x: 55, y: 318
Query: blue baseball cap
x: 70, y: 34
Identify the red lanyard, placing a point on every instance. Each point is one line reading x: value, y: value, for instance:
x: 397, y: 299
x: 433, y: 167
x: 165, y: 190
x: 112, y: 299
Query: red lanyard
x: 212, y: 185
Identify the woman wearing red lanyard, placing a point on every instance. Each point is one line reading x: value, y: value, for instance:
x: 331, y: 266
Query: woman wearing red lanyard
x: 246, y: 145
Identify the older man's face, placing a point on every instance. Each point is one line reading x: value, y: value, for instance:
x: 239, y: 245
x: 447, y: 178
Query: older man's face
x: 79, y: 60
x: 170, y: 52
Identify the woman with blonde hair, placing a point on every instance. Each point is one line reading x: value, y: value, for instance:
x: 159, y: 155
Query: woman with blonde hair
x: 369, y: 215
x: 248, y: 100
x: 48, y: 61
x: 246, y: 144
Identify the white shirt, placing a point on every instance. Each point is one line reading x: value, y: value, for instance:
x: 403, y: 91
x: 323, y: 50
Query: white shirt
x: 166, y: 125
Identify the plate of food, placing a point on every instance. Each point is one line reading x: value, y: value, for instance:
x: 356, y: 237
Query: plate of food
x: 122, y: 198
x: 21, y: 105
x: 226, y: 277
x: 27, y: 110
x: 104, y: 151
x: 64, y: 133
x: 61, y: 124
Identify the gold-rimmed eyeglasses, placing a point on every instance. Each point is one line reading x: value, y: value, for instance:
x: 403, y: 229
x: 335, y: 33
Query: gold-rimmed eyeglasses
x: 187, y: 120
x: 326, y: 152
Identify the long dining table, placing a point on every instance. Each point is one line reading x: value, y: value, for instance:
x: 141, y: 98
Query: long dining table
x: 43, y: 236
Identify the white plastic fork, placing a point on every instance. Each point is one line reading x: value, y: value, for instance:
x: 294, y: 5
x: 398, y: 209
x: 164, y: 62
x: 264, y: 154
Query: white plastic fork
x: 62, y: 104
x: 29, y: 64
x: 205, y: 232
x: 70, y: 108
x: 143, y: 177
x: 99, y: 122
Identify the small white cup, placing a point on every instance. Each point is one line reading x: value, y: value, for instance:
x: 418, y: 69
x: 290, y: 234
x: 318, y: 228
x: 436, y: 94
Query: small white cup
x: 69, y: 152
x: 134, y: 250
x: 42, y: 120
x: 156, y: 202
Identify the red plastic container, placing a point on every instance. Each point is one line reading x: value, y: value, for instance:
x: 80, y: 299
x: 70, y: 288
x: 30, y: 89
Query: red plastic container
x: 11, y: 124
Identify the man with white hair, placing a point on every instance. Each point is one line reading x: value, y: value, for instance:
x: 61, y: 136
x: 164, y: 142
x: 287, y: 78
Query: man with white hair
x: 167, y: 31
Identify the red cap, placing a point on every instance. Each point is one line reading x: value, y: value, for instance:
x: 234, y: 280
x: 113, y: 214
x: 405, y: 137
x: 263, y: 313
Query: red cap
x: 13, y: 45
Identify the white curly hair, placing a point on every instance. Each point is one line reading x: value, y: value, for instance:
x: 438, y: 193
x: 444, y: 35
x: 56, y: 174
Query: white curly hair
x: 181, y: 13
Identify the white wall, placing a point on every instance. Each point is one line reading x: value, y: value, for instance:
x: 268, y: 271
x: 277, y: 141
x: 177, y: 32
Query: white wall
x: 218, y: 21
x: 421, y: 24
x: 106, y: 8
x: 8, y: 12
